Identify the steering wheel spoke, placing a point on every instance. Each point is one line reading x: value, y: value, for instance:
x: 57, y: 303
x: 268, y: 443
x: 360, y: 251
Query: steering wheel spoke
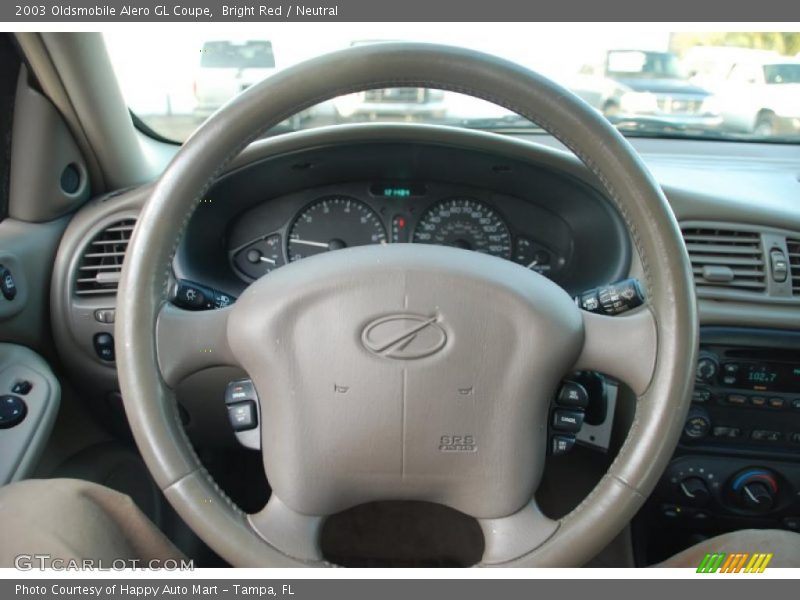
x: 509, y: 538
x: 623, y: 347
x: 293, y: 533
x: 188, y: 341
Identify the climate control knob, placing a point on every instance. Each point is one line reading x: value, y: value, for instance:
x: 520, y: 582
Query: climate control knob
x: 755, y: 490
x: 694, y: 491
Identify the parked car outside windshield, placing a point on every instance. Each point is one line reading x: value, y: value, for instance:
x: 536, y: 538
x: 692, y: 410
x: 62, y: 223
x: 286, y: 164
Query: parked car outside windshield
x: 227, y: 68
x: 651, y: 80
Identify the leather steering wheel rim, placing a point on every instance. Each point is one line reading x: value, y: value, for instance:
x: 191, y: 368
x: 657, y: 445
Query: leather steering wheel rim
x: 663, y: 391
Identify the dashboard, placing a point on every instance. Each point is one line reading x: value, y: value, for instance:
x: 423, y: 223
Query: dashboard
x: 390, y: 212
x: 285, y: 208
x: 286, y: 199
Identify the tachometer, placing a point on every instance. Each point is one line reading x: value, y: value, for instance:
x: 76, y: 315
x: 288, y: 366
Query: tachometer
x: 332, y: 223
x: 465, y: 223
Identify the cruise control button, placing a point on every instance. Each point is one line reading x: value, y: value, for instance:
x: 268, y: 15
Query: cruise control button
x: 561, y: 444
x: 568, y: 420
x: 573, y: 395
x: 237, y: 391
x: 242, y: 415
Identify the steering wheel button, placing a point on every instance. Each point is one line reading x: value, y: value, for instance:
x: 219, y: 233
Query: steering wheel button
x: 568, y: 420
x: 561, y: 444
x: 573, y: 395
x: 237, y: 391
x: 242, y: 415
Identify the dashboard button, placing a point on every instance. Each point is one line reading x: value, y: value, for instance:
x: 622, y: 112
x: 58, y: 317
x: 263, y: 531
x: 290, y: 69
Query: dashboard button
x: 758, y: 401
x: 12, y: 410
x: 796, y: 438
x: 726, y: 432
x: 7, y: 284
x: 104, y: 346
x: 779, y: 267
x: 796, y: 404
x: 777, y: 402
x: 105, y: 315
x: 22, y: 387
x: 792, y: 523
x: 763, y: 435
x: 701, y: 396
x: 737, y: 399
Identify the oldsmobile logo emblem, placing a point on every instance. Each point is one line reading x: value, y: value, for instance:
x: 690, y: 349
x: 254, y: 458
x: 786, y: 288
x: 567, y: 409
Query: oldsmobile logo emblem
x: 404, y: 336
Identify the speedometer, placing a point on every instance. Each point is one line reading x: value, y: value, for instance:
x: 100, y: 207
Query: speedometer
x: 332, y: 223
x: 465, y: 223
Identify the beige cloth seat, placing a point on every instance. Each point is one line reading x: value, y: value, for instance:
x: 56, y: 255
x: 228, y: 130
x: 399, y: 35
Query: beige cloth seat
x: 71, y: 519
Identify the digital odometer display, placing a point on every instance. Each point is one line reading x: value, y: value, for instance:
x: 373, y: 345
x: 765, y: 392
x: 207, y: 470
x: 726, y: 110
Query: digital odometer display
x: 771, y: 376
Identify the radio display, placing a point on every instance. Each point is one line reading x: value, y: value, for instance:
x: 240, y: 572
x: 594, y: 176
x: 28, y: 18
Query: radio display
x: 776, y: 377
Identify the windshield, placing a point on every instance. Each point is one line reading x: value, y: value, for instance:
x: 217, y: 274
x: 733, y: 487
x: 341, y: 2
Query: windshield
x: 782, y: 73
x: 229, y: 55
x: 653, y: 65
x: 647, y: 79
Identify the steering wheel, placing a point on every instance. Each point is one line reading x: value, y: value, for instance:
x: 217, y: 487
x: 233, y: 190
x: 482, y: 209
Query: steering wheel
x: 361, y: 357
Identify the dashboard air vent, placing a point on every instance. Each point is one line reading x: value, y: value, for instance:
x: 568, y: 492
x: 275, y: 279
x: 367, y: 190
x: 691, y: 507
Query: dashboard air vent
x: 793, y: 247
x: 101, y: 263
x: 726, y: 258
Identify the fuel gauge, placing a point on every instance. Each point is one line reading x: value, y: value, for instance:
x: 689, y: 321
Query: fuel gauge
x: 533, y: 256
x: 260, y: 257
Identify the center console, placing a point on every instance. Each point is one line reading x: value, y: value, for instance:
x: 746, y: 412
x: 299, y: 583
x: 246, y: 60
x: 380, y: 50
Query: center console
x: 737, y: 465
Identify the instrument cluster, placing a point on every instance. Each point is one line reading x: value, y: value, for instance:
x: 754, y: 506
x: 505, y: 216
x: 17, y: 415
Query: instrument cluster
x: 331, y: 218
